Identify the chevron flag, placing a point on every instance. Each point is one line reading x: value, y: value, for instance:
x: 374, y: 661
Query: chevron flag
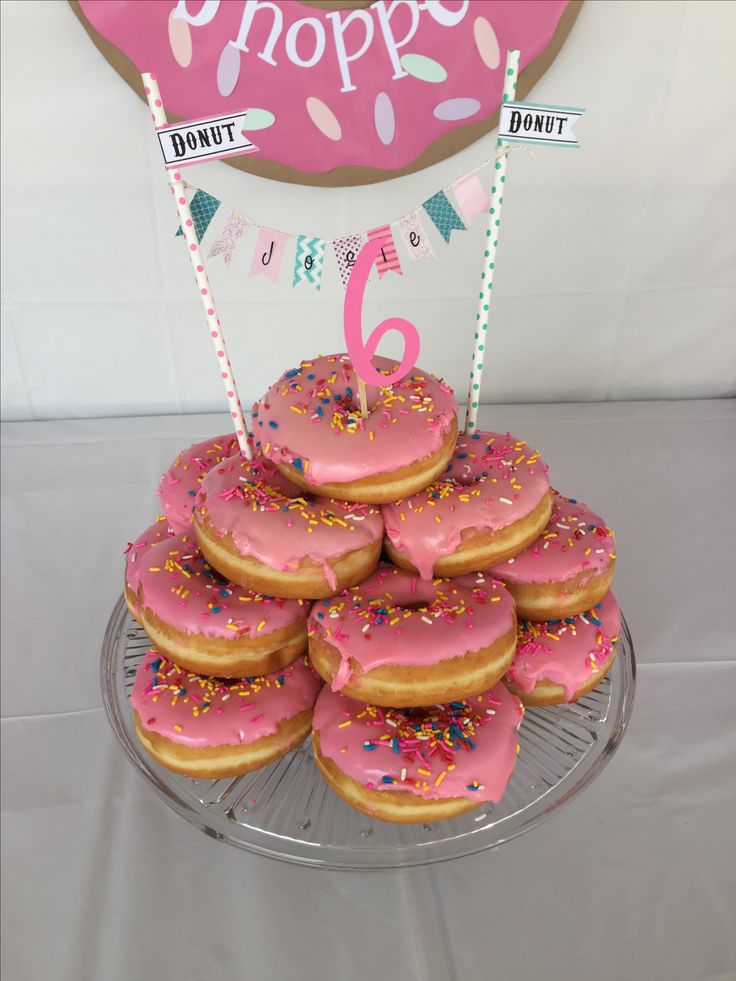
x: 309, y: 261
x: 203, y: 207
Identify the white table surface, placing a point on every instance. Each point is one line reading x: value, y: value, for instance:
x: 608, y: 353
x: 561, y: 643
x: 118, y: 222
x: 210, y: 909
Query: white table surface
x: 634, y: 879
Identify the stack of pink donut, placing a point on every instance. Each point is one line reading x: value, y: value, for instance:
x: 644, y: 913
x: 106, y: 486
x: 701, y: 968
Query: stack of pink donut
x: 396, y: 589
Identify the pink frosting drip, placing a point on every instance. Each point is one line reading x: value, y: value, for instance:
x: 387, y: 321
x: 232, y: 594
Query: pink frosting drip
x: 157, y: 532
x: 394, y: 617
x: 575, y: 541
x: 183, y: 589
x: 179, y: 485
x: 465, y: 749
x: 493, y: 480
x: 195, y: 710
x: 270, y: 518
x: 310, y: 419
x: 566, y: 652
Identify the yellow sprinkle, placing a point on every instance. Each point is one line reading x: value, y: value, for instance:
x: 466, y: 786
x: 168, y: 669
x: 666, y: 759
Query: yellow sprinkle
x: 260, y: 626
x: 425, y: 773
x: 342, y: 725
x: 440, y: 778
x: 178, y: 728
x: 154, y: 568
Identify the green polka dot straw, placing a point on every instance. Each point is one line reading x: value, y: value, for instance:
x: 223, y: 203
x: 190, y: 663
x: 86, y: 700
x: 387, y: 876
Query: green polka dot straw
x: 489, y: 257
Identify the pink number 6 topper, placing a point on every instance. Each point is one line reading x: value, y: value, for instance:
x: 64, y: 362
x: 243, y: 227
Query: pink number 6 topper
x: 360, y: 353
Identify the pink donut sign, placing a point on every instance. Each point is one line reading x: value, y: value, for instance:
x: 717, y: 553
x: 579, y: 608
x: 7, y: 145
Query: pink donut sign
x: 349, y: 94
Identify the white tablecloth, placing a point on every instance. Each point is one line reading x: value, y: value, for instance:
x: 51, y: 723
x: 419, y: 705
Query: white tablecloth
x: 635, y: 879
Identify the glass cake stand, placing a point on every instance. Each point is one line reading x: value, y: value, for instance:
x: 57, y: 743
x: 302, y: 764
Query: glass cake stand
x: 287, y: 811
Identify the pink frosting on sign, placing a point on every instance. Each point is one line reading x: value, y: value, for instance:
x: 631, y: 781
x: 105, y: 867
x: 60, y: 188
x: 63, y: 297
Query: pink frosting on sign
x: 195, y: 710
x: 269, y: 518
x: 310, y: 419
x: 465, y: 749
x: 493, y: 480
x: 331, y: 88
x: 393, y: 617
x: 566, y: 652
x: 183, y: 590
x: 575, y: 542
x: 179, y: 484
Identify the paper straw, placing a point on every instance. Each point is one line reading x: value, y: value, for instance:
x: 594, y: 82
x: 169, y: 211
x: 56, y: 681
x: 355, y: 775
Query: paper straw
x: 489, y: 257
x: 177, y: 185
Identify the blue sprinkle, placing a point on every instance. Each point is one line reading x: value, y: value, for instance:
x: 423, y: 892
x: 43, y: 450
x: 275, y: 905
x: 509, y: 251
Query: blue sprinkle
x: 192, y: 493
x: 292, y: 373
x: 272, y: 424
x: 471, y: 787
x: 217, y: 609
x: 461, y: 456
x: 368, y: 746
x: 310, y: 377
x: 297, y: 463
x: 387, y: 779
x: 320, y: 411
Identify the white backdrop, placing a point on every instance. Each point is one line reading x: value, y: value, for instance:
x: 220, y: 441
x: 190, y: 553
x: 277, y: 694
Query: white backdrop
x: 617, y: 266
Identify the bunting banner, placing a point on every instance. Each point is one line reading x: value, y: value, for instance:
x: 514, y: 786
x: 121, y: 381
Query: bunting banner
x: 309, y: 260
x: 268, y: 253
x: 388, y: 258
x: 443, y: 215
x: 471, y: 198
x: 346, y: 252
x: 415, y: 238
x: 237, y: 225
x: 203, y: 207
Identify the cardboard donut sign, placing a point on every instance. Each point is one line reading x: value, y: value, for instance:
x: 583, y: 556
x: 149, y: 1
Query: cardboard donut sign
x: 337, y: 93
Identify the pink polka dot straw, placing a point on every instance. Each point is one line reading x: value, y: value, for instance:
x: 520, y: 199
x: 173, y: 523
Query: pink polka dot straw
x: 158, y: 115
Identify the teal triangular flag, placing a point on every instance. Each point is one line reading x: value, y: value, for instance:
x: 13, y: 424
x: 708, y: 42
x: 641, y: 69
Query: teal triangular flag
x: 203, y: 207
x: 444, y: 216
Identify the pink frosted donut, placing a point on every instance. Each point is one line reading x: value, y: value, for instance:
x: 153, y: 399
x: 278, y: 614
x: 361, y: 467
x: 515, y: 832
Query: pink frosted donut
x: 134, y: 553
x: 561, y: 660
x: 567, y: 569
x: 397, y: 640
x: 206, y: 624
x: 258, y: 529
x: 309, y: 424
x: 179, y: 484
x: 212, y: 728
x: 417, y: 764
x: 491, y: 502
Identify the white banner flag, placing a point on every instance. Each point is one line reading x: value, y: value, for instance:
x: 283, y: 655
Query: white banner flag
x: 195, y: 141
x: 527, y: 122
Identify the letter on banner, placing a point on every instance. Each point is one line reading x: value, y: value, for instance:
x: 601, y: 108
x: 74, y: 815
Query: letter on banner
x: 471, y: 199
x: 442, y: 213
x: 268, y: 253
x: 415, y: 238
x: 309, y: 261
x: 230, y: 237
x: 527, y: 122
x: 388, y: 257
x: 346, y: 252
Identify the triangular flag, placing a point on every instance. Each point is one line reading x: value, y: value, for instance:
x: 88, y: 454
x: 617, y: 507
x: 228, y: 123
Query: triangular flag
x: 203, y: 207
x: 388, y: 258
x: 230, y: 237
x: 268, y: 253
x: 346, y: 252
x: 443, y: 214
x: 309, y: 260
x: 472, y: 200
x: 415, y: 238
